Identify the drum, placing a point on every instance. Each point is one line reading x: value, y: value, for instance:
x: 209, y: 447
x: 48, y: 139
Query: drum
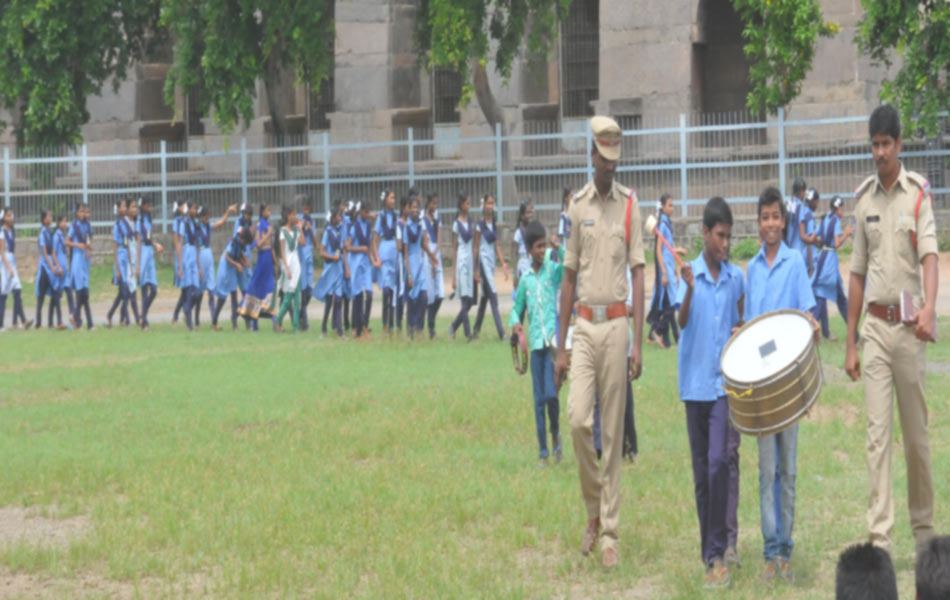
x: 772, y: 372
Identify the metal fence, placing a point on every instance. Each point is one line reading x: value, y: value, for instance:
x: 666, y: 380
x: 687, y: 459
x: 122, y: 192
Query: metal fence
x: 692, y: 157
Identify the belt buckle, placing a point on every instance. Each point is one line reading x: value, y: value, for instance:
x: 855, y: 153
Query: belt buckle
x: 891, y: 310
x: 599, y: 313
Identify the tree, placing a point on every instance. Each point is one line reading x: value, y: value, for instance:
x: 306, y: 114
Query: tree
x: 55, y: 53
x: 463, y: 35
x: 781, y: 37
x: 919, y: 33
x: 226, y: 46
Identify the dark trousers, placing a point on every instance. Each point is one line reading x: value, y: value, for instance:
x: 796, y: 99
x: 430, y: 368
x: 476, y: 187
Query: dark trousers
x: 18, y: 308
x: 44, y: 287
x: 732, y: 505
x: 630, y: 446
x: 545, y: 398
x: 179, y: 305
x: 149, y: 291
x: 191, y: 295
x: 708, y: 426
x: 488, y: 297
x: 461, y: 320
x: 416, y: 313
x: 305, y: 295
x: 82, y: 302
x: 821, y: 310
x: 389, y: 313
x: 346, y: 313
x: 433, y: 310
x: 70, y: 303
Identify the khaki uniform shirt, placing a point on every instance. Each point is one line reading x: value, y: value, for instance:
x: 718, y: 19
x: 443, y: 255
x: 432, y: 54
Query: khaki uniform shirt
x: 883, y: 250
x: 597, y: 249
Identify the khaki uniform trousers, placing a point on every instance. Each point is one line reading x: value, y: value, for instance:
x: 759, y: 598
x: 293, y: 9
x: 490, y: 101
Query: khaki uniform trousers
x: 599, y: 367
x: 894, y: 358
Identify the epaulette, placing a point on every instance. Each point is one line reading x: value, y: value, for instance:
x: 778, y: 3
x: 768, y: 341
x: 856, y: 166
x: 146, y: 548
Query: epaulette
x: 919, y: 180
x: 625, y: 191
x: 864, y: 187
x: 583, y: 192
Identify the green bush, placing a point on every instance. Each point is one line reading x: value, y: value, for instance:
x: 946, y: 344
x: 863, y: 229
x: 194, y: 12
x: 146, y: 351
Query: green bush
x: 745, y: 249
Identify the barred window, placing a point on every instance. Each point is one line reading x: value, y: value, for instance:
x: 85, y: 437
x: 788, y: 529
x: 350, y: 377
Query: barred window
x: 580, y: 58
x: 320, y: 105
x: 446, y: 92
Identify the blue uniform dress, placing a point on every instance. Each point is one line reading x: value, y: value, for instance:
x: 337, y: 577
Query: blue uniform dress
x: 486, y: 254
x: 44, y: 268
x: 9, y: 282
x: 524, y: 260
x: 331, y: 278
x: 123, y: 266
x: 189, y: 255
x: 713, y: 311
x: 361, y: 269
x: 435, y: 281
x: 464, y: 259
x: 205, y: 257
x: 808, y: 218
x: 63, y: 280
x: 305, y: 253
x: 793, y: 214
x: 244, y: 278
x: 345, y: 235
x: 661, y: 315
x: 418, y: 260
x: 785, y: 285
x: 385, y: 228
x: 147, y: 272
x: 228, y: 278
x: 177, y: 233
x: 79, y: 263
x: 826, y: 280
x: 260, y: 291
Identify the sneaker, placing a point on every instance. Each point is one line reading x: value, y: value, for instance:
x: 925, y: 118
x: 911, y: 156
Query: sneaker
x: 731, y: 557
x: 717, y: 575
x: 785, y: 570
x: 770, y: 572
x: 558, y: 452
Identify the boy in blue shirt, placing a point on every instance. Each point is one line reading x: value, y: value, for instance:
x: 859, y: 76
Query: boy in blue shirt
x: 776, y: 278
x: 708, y: 300
x: 537, y: 292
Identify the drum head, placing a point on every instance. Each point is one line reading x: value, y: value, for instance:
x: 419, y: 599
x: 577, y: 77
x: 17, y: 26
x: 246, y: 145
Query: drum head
x: 765, y: 346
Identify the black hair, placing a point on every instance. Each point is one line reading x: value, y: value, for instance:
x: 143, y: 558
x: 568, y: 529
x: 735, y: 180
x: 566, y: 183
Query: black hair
x: 462, y: 197
x: 716, y: 211
x: 413, y: 192
x: 532, y: 233
x: 664, y: 197
x: 433, y: 197
x: 303, y: 201
x: 404, y: 203
x: 798, y: 186
x: 382, y: 197
x: 245, y: 235
x: 566, y: 194
x: 933, y: 569
x: 885, y: 121
x: 523, y: 209
x: 260, y: 210
x: 59, y: 218
x: 768, y: 197
x: 145, y: 200
x: 43, y: 215
x: 202, y: 211
x: 494, y: 213
x: 865, y: 572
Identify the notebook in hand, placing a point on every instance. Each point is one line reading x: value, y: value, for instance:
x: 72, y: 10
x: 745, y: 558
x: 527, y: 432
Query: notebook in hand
x: 908, y: 309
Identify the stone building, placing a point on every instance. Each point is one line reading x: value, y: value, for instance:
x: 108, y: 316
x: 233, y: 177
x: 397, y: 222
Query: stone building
x: 634, y: 59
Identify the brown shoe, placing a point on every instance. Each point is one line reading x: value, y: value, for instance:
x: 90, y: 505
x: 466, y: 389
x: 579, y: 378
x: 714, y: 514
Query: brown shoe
x: 609, y: 558
x: 731, y: 558
x: 770, y: 572
x: 590, y: 536
x: 785, y: 570
x: 717, y: 575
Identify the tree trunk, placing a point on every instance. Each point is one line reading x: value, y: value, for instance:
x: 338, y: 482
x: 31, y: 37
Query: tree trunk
x: 275, y: 104
x: 494, y: 114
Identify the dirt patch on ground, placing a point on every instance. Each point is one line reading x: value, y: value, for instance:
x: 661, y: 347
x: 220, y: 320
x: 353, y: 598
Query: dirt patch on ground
x: 31, y: 526
x: 850, y: 414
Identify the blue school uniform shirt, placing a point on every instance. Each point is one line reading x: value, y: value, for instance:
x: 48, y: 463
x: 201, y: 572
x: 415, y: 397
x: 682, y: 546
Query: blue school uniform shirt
x: 235, y: 250
x: 46, y: 240
x: 786, y: 285
x: 713, y: 312
x: 808, y: 218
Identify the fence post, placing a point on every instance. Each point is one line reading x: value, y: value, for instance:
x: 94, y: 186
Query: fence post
x: 412, y: 161
x: 326, y: 170
x: 781, y: 150
x: 684, y: 180
x: 243, y: 170
x: 6, y: 176
x: 162, y: 159
x: 85, y: 174
x: 499, y: 186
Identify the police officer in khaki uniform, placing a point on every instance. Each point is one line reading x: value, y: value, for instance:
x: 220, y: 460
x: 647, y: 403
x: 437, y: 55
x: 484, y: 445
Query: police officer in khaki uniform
x: 894, y: 236
x: 605, y: 241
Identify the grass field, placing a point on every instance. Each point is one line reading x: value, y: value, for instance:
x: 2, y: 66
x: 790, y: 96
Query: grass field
x: 241, y: 466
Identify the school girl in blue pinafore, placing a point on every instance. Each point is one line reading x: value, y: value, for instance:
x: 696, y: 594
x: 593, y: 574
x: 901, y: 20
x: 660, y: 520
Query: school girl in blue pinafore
x: 665, y: 285
x: 347, y: 222
x: 181, y: 212
x: 399, y: 298
x: 190, y: 267
x: 305, y: 254
x: 826, y: 280
x: 9, y: 277
x: 47, y: 270
x: 67, y: 272
x: 61, y: 282
x: 463, y: 281
x: 232, y: 263
x: 520, y: 257
x: 384, y: 241
x: 122, y: 268
x: 206, y: 256
x: 418, y: 259
x: 148, y: 277
x: 80, y: 240
x: 486, y: 236
x: 131, y: 219
x: 329, y: 287
x: 361, y: 261
x: 435, y: 282
x: 260, y: 291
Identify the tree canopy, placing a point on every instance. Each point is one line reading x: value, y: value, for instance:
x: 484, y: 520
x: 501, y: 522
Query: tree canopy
x: 781, y: 37
x: 919, y: 33
x: 54, y: 54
